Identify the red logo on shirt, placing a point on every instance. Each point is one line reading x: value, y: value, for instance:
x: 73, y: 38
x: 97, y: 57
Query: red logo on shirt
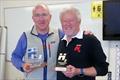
x: 77, y: 48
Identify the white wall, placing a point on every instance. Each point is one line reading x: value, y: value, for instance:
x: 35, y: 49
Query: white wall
x: 2, y: 50
x: 12, y: 73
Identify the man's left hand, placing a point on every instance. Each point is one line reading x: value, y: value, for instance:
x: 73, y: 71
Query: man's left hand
x: 71, y: 71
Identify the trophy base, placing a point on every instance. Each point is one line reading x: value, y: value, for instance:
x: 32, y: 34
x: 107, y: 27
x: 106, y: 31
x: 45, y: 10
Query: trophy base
x: 60, y: 68
x: 39, y: 65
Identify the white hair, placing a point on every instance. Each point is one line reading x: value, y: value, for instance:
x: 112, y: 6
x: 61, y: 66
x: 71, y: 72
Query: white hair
x: 71, y: 9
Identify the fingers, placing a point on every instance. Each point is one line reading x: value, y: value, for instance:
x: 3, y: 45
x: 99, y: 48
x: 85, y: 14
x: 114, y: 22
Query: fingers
x: 71, y: 71
x: 88, y: 33
x: 67, y: 74
x: 27, y: 67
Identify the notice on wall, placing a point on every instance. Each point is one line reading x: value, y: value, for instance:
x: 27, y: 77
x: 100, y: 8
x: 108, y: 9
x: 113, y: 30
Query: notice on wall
x: 97, y: 9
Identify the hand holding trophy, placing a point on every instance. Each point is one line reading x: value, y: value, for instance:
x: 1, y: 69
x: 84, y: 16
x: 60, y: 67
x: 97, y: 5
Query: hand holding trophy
x: 33, y: 61
x: 29, y: 67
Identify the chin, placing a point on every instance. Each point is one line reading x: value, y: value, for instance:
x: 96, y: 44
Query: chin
x: 68, y: 34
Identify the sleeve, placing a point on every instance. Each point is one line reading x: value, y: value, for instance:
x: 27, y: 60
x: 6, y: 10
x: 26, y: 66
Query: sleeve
x: 99, y: 58
x: 19, y: 52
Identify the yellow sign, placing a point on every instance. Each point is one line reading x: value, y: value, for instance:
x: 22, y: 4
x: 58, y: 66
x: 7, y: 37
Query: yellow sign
x: 97, y: 9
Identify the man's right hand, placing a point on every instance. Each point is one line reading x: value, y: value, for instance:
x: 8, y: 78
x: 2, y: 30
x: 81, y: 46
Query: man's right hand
x: 27, y: 67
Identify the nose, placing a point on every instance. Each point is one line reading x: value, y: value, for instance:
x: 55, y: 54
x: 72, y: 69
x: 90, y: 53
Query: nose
x: 41, y: 18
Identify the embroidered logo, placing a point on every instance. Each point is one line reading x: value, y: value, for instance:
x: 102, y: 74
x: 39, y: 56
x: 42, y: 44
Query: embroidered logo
x: 77, y: 48
x: 52, y: 42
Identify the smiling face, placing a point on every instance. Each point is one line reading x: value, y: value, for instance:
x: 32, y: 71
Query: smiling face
x: 70, y: 23
x: 41, y: 17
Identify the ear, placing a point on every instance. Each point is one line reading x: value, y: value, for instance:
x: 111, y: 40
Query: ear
x: 50, y: 16
x: 33, y: 18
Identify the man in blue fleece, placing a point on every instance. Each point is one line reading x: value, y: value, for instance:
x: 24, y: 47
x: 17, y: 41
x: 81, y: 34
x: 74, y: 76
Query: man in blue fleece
x: 36, y: 50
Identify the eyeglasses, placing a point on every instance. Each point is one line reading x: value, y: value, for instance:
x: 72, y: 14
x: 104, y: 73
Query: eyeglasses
x: 43, y: 14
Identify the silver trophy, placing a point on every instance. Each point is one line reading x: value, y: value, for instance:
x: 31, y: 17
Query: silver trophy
x: 35, y: 58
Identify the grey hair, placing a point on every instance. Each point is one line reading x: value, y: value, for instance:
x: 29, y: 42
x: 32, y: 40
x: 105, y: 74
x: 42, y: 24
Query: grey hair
x: 41, y: 5
x: 71, y: 9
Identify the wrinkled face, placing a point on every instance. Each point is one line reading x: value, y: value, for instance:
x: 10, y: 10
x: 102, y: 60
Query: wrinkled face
x: 70, y: 23
x: 41, y: 18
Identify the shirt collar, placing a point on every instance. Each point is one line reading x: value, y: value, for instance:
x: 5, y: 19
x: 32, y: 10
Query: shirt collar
x: 34, y: 31
x: 79, y: 35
